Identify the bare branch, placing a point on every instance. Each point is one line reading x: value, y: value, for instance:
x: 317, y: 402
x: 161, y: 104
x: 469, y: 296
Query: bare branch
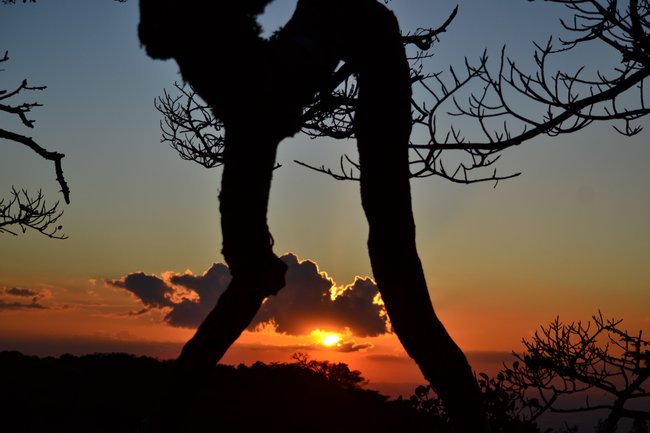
x: 423, y: 38
x: 562, y: 102
x: 508, y: 106
x: 189, y: 127
x: 21, y: 209
x: 56, y: 157
x: 29, y: 212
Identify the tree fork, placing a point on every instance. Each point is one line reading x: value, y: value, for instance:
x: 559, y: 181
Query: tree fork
x: 293, y: 68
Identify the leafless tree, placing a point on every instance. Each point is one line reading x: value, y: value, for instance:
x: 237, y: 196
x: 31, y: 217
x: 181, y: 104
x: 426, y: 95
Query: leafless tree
x: 566, y: 368
x: 300, y: 76
x: 28, y: 211
x: 575, y: 359
x: 305, y: 91
x: 556, y: 102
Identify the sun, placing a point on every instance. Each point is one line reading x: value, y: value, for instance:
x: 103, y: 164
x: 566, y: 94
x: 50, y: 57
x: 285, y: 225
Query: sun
x: 331, y: 340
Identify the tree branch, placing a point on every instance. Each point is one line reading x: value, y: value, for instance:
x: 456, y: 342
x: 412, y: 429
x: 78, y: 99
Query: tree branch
x: 28, y: 212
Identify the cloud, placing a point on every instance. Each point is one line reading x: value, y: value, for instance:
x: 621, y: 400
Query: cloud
x: 14, y: 291
x: 489, y: 356
x: 5, y: 306
x: 351, y: 346
x: 151, y: 290
x: 208, y: 287
x: 345, y: 347
x: 304, y: 304
x: 384, y: 357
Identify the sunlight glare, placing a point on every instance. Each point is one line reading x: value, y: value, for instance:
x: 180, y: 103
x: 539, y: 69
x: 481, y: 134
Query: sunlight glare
x: 331, y: 340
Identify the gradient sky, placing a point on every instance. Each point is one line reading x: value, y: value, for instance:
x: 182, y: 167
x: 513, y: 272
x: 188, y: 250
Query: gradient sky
x: 568, y: 237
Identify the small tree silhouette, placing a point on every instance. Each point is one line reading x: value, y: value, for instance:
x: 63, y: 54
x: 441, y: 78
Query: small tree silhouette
x: 564, y: 359
x: 558, y: 372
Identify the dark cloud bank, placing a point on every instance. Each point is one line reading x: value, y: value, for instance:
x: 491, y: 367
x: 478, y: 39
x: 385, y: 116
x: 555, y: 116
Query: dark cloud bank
x: 15, y: 296
x: 27, y: 293
x: 303, y: 305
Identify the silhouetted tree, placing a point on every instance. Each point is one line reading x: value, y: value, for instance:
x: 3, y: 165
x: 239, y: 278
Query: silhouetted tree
x: 503, y: 407
x: 511, y: 106
x: 262, y: 91
x: 561, y: 367
x: 24, y: 210
x: 338, y: 372
x: 568, y: 359
x: 271, y: 82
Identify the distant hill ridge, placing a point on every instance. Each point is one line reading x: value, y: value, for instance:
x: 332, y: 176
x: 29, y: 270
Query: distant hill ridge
x: 118, y: 392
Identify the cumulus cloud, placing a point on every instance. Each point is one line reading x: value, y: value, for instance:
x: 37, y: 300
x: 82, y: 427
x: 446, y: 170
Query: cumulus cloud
x: 208, y: 287
x: 151, y: 290
x: 306, y: 302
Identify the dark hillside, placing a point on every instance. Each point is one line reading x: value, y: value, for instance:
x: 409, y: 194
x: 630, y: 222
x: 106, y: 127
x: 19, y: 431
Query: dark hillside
x: 120, y: 393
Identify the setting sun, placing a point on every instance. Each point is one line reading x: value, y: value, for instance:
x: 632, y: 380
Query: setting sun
x: 331, y: 340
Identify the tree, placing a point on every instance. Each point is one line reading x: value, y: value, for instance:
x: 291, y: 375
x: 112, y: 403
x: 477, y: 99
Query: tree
x: 557, y: 98
x: 566, y: 359
x: 558, y: 372
x: 22, y: 209
x: 503, y: 406
x: 302, y: 90
x: 338, y: 373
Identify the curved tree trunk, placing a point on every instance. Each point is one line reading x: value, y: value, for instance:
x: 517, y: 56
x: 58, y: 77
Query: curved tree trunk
x: 383, y: 128
x: 291, y: 70
x: 257, y: 272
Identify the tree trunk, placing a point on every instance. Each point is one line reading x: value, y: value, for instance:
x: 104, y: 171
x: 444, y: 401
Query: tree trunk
x: 291, y: 70
x: 247, y: 246
x: 383, y: 127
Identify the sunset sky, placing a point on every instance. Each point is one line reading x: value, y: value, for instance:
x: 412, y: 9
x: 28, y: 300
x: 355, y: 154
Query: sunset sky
x: 568, y: 237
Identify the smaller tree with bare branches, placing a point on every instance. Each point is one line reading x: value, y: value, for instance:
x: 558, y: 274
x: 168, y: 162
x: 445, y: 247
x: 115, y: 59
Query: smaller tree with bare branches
x: 560, y: 371
x: 577, y: 359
